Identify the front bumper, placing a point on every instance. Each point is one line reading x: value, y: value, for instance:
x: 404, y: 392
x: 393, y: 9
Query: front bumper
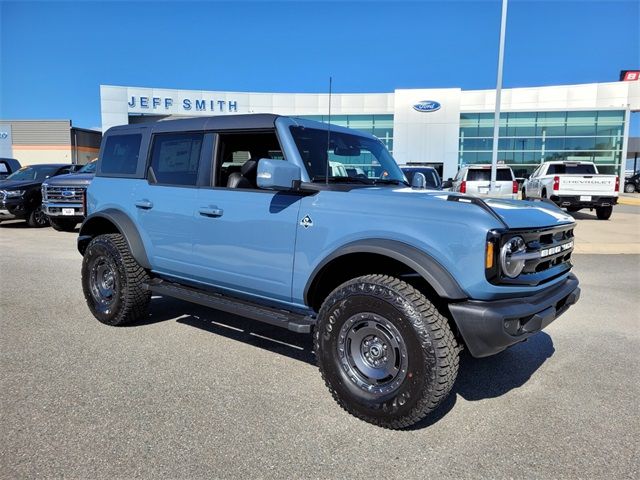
x: 64, y: 210
x: 576, y: 202
x: 11, y: 208
x: 490, y: 327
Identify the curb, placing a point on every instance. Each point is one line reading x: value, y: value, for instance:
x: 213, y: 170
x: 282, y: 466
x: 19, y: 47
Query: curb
x: 629, y: 201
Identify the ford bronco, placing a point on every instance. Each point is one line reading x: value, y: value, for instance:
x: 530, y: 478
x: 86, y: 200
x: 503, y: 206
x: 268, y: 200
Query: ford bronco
x: 313, y: 227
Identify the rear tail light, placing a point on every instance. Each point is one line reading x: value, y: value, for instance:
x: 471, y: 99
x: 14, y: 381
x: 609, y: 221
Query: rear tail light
x: 515, y: 187
x: 556, y: 183
x: 617, y: 184
x: 463, y: 187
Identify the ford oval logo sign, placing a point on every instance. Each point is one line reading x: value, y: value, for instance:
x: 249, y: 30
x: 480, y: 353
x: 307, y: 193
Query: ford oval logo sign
x: 427, y: 106
x: 68, y: 193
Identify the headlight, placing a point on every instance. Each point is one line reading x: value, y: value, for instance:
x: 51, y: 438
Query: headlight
x: 13, y: 193
x: 512, y: 257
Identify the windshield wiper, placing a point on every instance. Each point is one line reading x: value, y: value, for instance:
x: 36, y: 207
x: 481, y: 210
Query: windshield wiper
x: 390, y: 181
x: 322, y: 178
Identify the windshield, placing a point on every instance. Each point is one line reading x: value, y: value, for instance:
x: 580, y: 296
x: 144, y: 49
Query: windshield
x: 89, y: 168
x: 35, y: 172
x: 352, y: 158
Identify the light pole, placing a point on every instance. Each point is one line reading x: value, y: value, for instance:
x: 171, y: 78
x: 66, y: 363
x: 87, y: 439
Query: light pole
x: 496, y: 118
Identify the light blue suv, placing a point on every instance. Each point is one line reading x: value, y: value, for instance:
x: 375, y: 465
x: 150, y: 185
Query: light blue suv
x: 314, y: 228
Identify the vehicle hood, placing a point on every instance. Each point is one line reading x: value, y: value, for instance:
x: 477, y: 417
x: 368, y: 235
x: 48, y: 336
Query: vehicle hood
x: 513, y: 213
x: 18, y: 184
x: 527, y: 213
x: 71, y: 180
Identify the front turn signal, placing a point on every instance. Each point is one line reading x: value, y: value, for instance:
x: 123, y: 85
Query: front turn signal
x: 488, y: 262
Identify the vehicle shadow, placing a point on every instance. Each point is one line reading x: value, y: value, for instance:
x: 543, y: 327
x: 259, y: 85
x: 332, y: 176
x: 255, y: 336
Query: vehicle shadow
x: 14, y: 224
x: 274, y: 339
x: 584, y: 215
x: 478, y: 378
x: 492, y: 377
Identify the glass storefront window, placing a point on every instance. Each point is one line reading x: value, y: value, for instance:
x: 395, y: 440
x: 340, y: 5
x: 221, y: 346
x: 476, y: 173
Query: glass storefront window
x: 527, y: 138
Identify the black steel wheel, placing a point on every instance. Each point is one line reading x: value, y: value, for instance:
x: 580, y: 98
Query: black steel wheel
x: 37, y: 218
x: 112, y: 281
x: 385, y: 352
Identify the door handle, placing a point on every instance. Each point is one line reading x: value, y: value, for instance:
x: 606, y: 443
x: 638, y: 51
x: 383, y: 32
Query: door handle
x: 211, y: 212
x: 144, y: 204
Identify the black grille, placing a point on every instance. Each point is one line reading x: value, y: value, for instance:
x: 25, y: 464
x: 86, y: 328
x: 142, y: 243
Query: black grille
x: 548, y: 255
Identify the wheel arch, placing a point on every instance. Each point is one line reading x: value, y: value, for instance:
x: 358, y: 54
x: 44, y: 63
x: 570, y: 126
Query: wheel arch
x: 355, y: 259
x: 113, y: 221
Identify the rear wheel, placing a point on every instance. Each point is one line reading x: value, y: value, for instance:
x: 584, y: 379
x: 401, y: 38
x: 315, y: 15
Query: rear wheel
x: 524, y: 194
x: 573, y: 209
x: 63, y: 224
x: 37, y: 218
x: 604, y: 213
x: 112, y: 281
x: 386, y: 354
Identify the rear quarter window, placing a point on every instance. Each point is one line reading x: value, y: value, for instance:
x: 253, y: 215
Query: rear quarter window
x: 484, y: 175
x: 120, y: 155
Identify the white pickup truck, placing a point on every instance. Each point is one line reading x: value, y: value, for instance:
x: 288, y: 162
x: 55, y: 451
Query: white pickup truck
x: 574, y: 185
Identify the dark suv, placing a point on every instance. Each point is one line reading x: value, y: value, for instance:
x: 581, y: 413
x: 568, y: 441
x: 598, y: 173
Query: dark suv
x: 20, y: 195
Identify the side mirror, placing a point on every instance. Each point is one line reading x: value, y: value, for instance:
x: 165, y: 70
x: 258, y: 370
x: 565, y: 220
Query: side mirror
x: 419, y: 181
x: 447, y: 183
x: 277, y: 174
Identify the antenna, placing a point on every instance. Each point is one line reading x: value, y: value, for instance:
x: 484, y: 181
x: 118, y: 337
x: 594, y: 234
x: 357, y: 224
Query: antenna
x: 326, y: 176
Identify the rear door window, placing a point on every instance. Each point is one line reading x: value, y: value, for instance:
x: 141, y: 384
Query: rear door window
x: 571, y: 169
x: 176, y: 157
x: 120, y: 155
x: 484, y: 175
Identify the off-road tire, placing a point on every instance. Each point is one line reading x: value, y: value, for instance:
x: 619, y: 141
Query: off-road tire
x: 630, y: 188
x: 37, y: 218
x: 128, y: 301
x: 63, y: 225
x: 573, y: 209
x: 431, y: 348
x: 524, y: 194
x: 604, y: 213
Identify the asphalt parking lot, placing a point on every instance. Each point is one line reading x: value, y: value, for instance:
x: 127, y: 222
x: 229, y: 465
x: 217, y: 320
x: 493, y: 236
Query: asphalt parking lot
x: 194, y: 393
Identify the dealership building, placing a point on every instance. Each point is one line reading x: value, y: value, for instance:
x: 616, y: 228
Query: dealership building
x: 443, y: 127
x: 48, y: 141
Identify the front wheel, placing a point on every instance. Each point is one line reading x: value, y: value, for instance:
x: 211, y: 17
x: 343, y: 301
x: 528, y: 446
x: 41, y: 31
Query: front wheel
x: 629, y: 188
x: 37, y: 218
x: 384, y: 351
x: 112, y: 281
x: 604, y: 213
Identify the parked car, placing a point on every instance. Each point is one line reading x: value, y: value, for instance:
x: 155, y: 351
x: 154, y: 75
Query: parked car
x: 431, y: 176
x: 393, y: 281
x: 63, y: 197
x: 8, y: 166
x: 574, y: 186
x: 632, y: 184
x: 476, y: 180
x: 20, y: 193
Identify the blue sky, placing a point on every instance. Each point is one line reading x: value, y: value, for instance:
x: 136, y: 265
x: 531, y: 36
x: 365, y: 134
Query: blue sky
x: 55, y: 55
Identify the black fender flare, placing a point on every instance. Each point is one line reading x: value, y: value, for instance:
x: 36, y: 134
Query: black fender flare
x: 92, y: 227
x: 418, y: 260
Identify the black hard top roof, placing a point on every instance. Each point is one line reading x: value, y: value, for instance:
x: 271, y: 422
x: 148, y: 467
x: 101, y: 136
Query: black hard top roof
x: 221, y: 122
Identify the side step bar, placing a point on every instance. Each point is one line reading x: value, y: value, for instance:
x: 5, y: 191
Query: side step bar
x: 295, y: 322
